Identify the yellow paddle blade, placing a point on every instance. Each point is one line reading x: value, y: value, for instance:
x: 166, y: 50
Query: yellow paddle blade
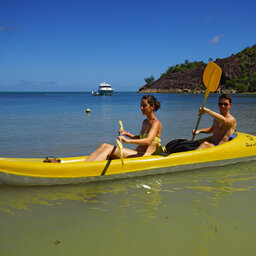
x: 121, y: 124
x: 211, y: 79
x: 211, y: 76
x: 120, y: 148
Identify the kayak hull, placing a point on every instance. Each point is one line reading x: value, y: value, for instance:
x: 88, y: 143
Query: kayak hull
x: 29, y: 172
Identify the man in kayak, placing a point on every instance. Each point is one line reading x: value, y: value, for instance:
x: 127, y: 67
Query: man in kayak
x: 224, y: 124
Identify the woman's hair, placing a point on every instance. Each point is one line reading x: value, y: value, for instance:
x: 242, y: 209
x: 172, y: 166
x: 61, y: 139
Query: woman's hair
x: 152, y: 101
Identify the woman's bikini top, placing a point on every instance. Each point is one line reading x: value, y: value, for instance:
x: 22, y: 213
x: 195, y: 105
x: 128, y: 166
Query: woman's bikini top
x: 145, y: 135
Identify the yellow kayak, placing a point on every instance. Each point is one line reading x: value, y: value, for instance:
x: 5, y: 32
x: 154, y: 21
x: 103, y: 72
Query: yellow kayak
x: 33, y: 171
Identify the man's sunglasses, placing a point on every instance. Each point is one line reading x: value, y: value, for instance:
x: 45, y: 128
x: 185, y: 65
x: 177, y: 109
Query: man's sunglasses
x: 223, y: 104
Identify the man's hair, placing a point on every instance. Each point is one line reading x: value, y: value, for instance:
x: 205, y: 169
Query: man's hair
x: 226, y: 96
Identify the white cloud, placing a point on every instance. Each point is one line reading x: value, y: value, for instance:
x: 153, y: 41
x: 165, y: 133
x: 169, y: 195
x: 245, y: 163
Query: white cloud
x: 216, y: 39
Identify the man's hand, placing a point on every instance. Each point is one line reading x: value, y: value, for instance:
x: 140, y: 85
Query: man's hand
x: 195, y: 132
x: 202, y: 111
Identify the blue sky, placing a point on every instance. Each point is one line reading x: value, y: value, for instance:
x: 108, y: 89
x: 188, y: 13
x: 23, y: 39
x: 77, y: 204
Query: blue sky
x: 72, y: 45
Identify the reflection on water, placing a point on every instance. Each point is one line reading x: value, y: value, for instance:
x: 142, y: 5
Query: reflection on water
x: 146, y: 193
x: 199, y: 212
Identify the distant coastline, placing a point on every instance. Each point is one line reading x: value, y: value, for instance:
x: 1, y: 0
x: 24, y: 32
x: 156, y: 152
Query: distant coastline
x: 193, y: 92
x: 144, y: 91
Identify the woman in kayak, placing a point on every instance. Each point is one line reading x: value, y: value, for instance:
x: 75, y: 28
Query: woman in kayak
x: 148, y: 141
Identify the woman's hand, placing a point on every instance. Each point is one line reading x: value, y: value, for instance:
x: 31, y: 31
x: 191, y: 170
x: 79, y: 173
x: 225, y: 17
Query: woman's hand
x: 123, y: 139
x: 123, y: 133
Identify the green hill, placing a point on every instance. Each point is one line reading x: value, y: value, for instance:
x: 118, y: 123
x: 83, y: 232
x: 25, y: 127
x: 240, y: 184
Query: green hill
x: 238, y: 75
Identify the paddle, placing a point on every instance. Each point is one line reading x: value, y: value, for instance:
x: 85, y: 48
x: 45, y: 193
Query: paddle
x: 121, y: 125
x: 120, y: 145
x: 211, y: 79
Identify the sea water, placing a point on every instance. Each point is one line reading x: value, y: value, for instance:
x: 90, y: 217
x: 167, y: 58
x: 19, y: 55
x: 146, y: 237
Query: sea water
x: 208, y: 211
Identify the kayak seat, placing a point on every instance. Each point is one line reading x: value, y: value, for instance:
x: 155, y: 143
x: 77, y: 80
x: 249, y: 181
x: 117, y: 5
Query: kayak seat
x: 232, y: 137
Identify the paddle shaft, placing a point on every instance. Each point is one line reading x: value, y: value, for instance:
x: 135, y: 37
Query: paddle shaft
x: 199, y: 118
x: 120, y: 145
x: 121, y: 127
x: 121, y: 124
x: 205, y: 98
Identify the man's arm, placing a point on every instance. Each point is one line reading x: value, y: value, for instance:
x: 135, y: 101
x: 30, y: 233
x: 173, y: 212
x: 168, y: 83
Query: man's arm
x: 227, y: 121
x: 205, y: 130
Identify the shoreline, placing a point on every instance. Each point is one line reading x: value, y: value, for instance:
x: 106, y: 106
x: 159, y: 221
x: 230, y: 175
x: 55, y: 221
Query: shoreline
x: 187, y: 91
x: 179, y: 91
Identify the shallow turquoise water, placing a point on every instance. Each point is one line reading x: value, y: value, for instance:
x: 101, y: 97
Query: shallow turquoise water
x: 202, y: 212
x: 39, y: 124
x: 207, y: 211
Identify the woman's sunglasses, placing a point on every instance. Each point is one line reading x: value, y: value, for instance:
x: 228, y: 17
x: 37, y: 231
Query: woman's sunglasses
x: 223, y: 104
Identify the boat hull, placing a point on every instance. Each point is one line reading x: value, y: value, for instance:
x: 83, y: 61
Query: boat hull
x: 17, y: 171
x: 105, y: 92
x: 102, y: 92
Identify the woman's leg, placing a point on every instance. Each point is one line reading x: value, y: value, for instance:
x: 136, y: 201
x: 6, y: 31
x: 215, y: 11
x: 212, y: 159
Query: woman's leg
x: 107, y: 151
x: 102, y: 153
x: 126, y: 153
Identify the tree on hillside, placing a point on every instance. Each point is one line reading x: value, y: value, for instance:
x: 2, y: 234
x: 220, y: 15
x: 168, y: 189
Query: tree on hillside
x: 183, y: 67
x: 149, y: 80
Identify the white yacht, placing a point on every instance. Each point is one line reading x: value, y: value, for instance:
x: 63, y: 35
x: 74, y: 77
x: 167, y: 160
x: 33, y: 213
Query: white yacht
x: 104, y: 89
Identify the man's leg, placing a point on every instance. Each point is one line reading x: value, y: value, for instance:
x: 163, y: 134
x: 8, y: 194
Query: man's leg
x: 206, y: 144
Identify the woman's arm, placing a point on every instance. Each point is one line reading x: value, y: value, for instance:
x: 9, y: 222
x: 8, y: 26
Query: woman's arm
x: 144, y: 141
x: 127, y: 134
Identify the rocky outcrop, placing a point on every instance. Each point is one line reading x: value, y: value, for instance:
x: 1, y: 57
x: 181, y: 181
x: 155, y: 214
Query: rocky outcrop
x: 185, y: 81
x: 190, y: 81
